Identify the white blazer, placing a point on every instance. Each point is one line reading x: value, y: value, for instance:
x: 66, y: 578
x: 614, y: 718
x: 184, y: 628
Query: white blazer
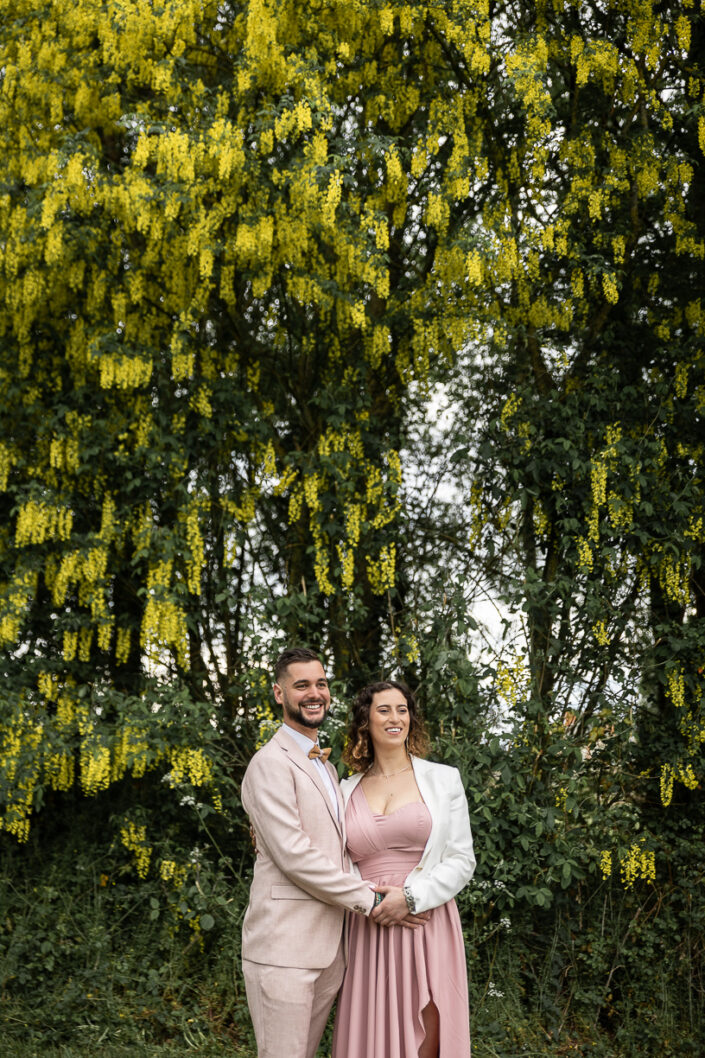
x: 448, y: 860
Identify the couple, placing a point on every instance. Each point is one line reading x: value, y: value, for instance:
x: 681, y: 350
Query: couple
x: 403, y: 823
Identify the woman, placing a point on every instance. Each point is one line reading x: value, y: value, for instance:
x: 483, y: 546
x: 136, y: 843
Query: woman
x: 408, y: 831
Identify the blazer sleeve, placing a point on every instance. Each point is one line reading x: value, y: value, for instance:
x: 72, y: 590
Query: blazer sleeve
x: 444, y: 879
x: 273, y: 812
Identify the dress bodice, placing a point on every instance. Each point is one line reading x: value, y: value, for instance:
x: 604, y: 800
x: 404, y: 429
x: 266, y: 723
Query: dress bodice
x: 386, y: 846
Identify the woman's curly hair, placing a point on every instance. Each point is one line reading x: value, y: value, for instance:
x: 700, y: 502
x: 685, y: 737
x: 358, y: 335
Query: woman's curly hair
x: 359, y: 752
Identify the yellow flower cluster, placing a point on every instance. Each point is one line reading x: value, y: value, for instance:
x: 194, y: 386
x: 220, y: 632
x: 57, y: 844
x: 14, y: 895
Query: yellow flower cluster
x: 610, y: 288
x: 104, y: 634
x: 511, y: 407
x: 381, y: 571
x: 64, y: 454
x: 287, y: 479
x: 122, y: 645
x: 526, y: 67
x: 15, y: 599
x: 666, y: 784
x: 696, y: 529
x: 341, y: 440
x: 598, y: 480
x: 108, y: 519
x: 59, y: 771
x: 606, y: 863
x: 411, y: 652
x: 343, y: 466
x: 268, y: 723
x: 7, y: 459
x: 683, y: 27
x: 674, y: 576
x: 95, y: 766
x: 684, y: 773
x: 170, y: 871
x: 70, y: 644
x: 346, y: 557
x: 194, y: 543
x: 124, y: 372
x: 687, y: 776
x: 296, y: 501
x: 540, y: 518
x: 48, y: 686
x: 269, y: 460
x: 638, y: 864
x: 163, y: 620
x: 164, y: 626
x: 37, y: 522
x: 189, y: 765
x: 244, y: 511
x: 675, y: 687
x: 200, y: 401
x: 621, y: 512
x: 134, y: 838
x: 599, y: 630
x: 512, y: 681
x: 478, y: 514
x: 585, y: 559
x: 680, y: 385
x: 20, y: 740
x: 131, y: 750
x: 474, y: 268
x: 321, y: 564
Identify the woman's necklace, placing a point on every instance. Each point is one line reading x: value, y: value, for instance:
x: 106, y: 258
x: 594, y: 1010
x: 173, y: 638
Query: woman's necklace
x: 391, y: 774
x: 388, y: 794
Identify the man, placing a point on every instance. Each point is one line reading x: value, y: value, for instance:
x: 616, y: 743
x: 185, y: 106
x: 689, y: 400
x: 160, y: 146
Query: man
x: 292, y: 936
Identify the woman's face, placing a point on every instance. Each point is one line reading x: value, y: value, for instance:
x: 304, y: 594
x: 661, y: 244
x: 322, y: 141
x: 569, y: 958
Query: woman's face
x: 389, y: 719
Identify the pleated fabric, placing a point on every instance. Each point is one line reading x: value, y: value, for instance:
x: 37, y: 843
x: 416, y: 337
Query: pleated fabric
x: 394, y: 972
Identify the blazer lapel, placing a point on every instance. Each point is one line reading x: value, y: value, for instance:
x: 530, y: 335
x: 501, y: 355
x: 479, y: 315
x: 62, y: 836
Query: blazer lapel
x: 429, y: 797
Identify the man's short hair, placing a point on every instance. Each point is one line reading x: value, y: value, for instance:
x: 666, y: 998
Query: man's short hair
x: 290, y: 657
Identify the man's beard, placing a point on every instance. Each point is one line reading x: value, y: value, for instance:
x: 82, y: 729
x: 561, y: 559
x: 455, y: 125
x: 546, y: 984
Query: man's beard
x: 295, y: 712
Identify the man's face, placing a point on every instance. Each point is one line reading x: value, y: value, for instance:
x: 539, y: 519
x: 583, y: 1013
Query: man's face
x: 304, y: 695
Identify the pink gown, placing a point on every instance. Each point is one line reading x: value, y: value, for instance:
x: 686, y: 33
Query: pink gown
x: 394, y: 972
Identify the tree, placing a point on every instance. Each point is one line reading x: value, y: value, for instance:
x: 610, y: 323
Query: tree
x: 228, y: 254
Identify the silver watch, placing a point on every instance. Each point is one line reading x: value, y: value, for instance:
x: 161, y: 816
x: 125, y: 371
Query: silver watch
x: 410, y: 902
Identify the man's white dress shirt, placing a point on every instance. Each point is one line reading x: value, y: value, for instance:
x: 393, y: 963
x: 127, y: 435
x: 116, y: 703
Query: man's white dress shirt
x: 306, y: 744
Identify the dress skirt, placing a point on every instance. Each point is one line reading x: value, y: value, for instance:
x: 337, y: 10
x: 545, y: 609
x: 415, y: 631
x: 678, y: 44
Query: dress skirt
x: 394, y: 972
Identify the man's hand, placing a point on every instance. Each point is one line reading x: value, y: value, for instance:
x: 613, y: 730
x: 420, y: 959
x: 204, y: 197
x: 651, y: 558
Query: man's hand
x: 393, y: 910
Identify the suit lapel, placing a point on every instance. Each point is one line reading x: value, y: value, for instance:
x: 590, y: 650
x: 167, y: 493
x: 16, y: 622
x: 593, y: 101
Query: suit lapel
x: 299, y: 758
x: 339, y: 795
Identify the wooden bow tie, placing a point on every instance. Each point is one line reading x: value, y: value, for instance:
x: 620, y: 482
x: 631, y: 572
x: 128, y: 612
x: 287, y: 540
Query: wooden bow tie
x: 316, y: 751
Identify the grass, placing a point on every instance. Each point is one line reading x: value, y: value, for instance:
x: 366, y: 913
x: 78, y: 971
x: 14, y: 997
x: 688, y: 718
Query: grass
x: 220, y: 1049
x: 219, y: 1046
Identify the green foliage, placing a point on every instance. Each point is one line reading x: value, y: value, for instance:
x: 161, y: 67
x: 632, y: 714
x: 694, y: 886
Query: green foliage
x: 87, y: 947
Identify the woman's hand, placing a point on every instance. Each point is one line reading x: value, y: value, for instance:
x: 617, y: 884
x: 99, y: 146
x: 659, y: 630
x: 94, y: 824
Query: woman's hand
x: 393, y: 910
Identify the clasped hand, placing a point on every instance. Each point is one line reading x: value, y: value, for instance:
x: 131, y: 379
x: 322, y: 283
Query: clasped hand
x: 393, y: 910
